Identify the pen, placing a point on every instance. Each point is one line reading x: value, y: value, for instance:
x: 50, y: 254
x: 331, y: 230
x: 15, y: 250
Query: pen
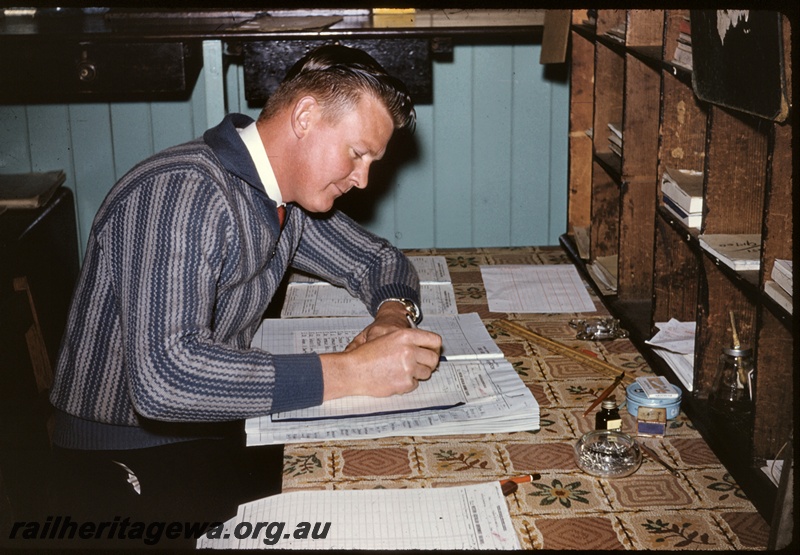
x: 413, y: 325
x: 649, y: 452
x: 605, y: 393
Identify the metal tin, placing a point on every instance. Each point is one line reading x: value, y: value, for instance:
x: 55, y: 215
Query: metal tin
x: 636, y: 398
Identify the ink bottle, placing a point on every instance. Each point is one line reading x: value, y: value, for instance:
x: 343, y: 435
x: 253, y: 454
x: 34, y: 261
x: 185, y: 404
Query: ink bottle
x: 608, y: 418
x: 732, y: 390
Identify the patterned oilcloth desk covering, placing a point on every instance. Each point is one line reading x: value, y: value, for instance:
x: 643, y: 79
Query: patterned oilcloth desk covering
x: 566, y: 508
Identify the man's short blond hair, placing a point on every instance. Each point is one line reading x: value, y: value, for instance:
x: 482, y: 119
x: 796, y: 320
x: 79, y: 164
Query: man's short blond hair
x: 338, y: 76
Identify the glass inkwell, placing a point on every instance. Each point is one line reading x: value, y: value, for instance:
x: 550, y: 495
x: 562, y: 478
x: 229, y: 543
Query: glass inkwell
x: 608, y: 418
x: 732, y: 389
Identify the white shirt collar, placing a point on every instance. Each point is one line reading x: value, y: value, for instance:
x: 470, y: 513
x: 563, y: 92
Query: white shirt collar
x: 255, y: 146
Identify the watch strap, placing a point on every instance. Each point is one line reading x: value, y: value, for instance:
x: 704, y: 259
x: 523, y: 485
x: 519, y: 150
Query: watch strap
x: 411, y: 307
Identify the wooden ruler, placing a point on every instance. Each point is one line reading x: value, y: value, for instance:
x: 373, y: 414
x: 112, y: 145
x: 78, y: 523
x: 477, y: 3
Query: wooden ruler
x: 554, y: 346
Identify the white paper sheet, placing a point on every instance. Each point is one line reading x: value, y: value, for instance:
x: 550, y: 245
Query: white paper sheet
x: 442, y: 390
x: 494, y: 398
x: 430, y: 269
x: 674, y: 342
x: 773, y: 469
x: 463, y: 336
x: 304, y: 300
x: 675, y: 336
x: 465, y: 517
x: 496, y: 401
x: 535, y: 288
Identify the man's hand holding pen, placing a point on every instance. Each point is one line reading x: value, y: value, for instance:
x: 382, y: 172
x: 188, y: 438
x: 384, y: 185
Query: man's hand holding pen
x: 391, y: 356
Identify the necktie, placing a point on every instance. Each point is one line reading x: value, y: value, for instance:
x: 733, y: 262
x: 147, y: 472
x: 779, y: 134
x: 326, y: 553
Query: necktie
x: 281, y: 215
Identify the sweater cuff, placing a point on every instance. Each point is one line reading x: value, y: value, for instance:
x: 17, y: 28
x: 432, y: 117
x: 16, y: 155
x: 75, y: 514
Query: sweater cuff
x: 396, y: 290
x: 298, y: 382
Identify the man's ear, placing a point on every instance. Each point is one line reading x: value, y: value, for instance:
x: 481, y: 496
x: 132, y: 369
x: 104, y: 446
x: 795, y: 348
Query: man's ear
x: 305, y: 113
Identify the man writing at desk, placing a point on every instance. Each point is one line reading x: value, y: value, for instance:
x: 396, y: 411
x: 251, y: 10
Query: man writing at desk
x: 188, y: 249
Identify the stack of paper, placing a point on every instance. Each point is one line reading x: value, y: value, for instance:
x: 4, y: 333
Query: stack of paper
x: 780, y: 286
x: 615, y: 138
x: 739, y: 252
x: 464, y: 517
x: 604, y: 273
x: 682, y: 192
x: 464, y: 337
x: 308, y: 296
x: 674, y: 342
x: 474, y: 390
x: 683, y: 48
x: 782, y: 274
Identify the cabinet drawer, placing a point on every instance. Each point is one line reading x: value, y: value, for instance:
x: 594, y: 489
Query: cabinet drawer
x: 99, y: 71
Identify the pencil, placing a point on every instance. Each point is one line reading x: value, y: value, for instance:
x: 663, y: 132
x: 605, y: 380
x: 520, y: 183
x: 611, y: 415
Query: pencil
x: 510, y: 485
x: 521, y: 479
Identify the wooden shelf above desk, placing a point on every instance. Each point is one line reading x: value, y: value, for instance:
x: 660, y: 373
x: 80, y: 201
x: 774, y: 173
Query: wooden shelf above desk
x: 128, y: 24
x: 133, y: 54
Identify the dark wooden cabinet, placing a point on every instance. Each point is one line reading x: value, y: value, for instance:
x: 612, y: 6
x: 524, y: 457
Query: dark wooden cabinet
x: 38, y: 272
x: 99, y: 70
x: 410, y: 59
x: 120, y: 54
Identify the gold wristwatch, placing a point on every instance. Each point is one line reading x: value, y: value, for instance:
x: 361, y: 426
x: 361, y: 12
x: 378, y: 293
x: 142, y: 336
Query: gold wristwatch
x: 411, y: 307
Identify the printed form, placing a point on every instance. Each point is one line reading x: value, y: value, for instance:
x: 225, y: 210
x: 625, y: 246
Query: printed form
x: 534, y: 288
x: 323, y: 299
x: 430, y: 269
x: 474, y: 390
x: 309, y: 296
x: 496, y: 401
x: 464, y: 517
x: 443, y: 390
x: 463, y: 335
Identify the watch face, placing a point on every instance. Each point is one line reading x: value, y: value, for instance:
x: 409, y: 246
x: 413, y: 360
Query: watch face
x: 412, y: 309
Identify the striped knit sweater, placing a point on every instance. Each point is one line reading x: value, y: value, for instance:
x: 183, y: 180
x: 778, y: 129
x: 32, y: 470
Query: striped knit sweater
x: 184, y: 256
